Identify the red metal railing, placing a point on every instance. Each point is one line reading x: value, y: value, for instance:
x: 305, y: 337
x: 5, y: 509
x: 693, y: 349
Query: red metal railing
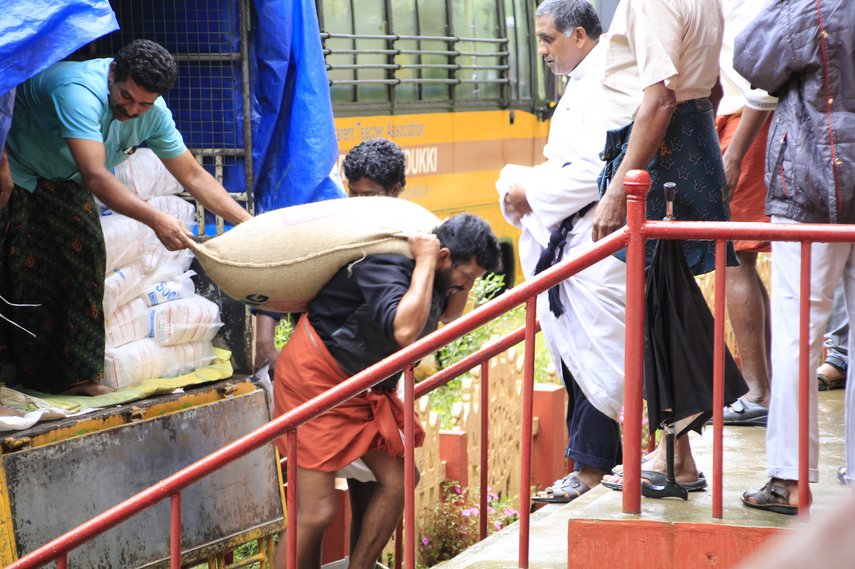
x: 633, y: 237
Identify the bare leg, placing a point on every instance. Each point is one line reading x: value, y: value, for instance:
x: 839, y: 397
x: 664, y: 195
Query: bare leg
x: 315, y: 511
x: 360, y: 496
x: 384, y: 510
x: 748, y: 308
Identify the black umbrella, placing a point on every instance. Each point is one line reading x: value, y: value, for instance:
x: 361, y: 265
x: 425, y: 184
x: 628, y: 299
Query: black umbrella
x: 678, y: 355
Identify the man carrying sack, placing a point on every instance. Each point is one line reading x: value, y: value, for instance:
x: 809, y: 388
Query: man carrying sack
x: 369, y: 310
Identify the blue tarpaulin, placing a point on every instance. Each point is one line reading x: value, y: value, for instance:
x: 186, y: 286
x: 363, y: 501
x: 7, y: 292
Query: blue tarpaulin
x: 37, y: 33
x: 293, y: 130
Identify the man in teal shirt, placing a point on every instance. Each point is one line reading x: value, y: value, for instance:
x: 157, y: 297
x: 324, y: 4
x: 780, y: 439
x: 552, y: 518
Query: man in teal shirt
x: 72, y: 122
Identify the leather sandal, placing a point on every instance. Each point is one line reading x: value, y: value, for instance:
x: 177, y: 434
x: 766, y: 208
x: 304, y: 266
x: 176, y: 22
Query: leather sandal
x: 830, y: 377
x: 772, y: 497
x: 562, y: 491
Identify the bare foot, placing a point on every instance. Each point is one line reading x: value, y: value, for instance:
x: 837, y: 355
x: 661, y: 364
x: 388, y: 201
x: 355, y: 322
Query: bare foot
x: 90, y: 388
x: 645, y: 459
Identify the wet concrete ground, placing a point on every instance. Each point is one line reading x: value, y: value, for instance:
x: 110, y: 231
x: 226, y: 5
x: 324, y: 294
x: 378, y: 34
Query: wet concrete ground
x: 744, y: 468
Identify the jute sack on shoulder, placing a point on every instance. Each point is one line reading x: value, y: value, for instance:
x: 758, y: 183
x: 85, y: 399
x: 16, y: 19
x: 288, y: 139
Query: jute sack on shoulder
x: 279, y: 260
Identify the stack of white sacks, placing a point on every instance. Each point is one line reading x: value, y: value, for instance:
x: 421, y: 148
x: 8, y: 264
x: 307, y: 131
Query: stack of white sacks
x: 156, y: 324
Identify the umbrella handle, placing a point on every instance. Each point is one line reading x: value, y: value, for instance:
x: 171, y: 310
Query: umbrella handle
x: 670, y: 194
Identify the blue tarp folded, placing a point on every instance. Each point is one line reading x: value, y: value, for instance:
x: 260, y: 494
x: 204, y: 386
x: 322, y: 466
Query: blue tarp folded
x: 294, y: 139
x: 37, y: 33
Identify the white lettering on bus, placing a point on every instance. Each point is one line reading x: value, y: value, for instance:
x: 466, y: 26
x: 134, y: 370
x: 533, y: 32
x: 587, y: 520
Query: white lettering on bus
x: 421, y: 160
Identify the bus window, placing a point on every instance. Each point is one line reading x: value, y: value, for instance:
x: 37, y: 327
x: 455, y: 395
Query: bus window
x: 406, y: 24
x: 481, y: 63
x: 434, y: 58
x: 368, y: 24
x: 518, y: 29
x: 339, y: 16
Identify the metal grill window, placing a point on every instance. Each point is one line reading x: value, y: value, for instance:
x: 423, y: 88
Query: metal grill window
x: 208, y: 38
x: 416, y: 53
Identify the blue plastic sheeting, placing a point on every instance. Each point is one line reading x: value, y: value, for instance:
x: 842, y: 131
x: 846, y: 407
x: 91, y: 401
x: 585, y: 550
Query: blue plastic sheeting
x: 7, y: 103
x: 37, y: 33
x: 294, y: 140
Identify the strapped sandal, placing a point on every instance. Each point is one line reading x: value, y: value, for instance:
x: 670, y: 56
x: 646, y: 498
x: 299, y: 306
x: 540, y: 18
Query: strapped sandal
x: 772, y: 497
x: 826, y: 383
x: 562, y: 491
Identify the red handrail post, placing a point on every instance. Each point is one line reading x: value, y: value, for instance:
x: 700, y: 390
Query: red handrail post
x: 175, y: 532
x: 291, y: 497
x: 804, y: 382
x: 718, y: 378
x: 399, y: 545
x: 636, y: 184
x: 409, y: 469
x: 527, y: 414
x: 485, y: 441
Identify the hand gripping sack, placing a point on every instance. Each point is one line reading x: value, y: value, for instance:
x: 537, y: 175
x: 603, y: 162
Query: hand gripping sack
x: 279, y: 260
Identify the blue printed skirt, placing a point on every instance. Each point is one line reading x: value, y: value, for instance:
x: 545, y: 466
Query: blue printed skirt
x: 690, y: 156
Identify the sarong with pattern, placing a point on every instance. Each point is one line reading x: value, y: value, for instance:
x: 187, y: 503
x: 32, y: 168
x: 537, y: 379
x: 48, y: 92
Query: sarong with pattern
x: 53, y: 255
x: 690, y: 157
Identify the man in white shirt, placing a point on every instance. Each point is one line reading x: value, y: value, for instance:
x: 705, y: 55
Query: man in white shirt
x: 583, y: 317
x: 659, y: 90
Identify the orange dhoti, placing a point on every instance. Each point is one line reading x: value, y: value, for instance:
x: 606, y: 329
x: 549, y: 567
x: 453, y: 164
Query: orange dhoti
x: 748, y: 202
x: 372, y: 420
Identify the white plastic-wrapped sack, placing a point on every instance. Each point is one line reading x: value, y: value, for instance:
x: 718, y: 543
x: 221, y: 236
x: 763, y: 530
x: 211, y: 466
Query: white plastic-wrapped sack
x: 185, y: 320
x: 121, y: 286
x: 135, y: 362
x: 130, y: 364
x: 123, y: 240
x: 280, y: 260
x: 128, y: 323
x: 177, y: 207
x: 184, y: 358
x: 167, y: 290
x: 157, y: 260
x: 145, y: 175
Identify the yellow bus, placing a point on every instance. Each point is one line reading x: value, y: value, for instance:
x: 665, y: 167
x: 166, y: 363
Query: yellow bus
x: 457, y: 84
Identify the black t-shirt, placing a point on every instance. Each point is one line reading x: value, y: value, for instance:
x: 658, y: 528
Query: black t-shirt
x: 354, y: 313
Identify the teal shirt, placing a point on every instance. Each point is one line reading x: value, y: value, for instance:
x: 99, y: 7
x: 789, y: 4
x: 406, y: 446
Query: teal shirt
x: 70, y: 100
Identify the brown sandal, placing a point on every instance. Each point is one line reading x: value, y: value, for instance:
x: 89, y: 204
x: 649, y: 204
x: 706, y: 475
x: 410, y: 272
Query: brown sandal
x: 772, y: 497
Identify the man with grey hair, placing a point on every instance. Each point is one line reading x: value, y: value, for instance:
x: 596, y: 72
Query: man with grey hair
x: 583, y: 317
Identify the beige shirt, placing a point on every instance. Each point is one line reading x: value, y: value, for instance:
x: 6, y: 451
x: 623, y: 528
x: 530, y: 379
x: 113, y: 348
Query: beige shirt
x: 737, y: 91
x: 675, y: 41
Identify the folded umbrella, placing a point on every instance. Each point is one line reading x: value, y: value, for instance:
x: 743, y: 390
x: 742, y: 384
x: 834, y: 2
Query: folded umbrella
x: 678, y: 355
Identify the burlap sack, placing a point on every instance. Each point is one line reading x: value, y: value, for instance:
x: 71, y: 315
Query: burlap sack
x: 281, y: 259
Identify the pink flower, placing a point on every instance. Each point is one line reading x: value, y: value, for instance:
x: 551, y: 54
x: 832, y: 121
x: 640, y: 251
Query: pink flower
x: 469, y: 512
x: 492, y: 497
x: 457, y: 489
x: 491, y: 510
x: 510, y: 512
x: 425, y: 540
x: 497, y: 525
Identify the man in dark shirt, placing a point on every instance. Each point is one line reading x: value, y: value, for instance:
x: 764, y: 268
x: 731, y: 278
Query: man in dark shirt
x: 368, y: 311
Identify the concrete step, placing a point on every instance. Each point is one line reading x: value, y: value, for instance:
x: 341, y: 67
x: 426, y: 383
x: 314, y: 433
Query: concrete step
x: 668, y: 530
